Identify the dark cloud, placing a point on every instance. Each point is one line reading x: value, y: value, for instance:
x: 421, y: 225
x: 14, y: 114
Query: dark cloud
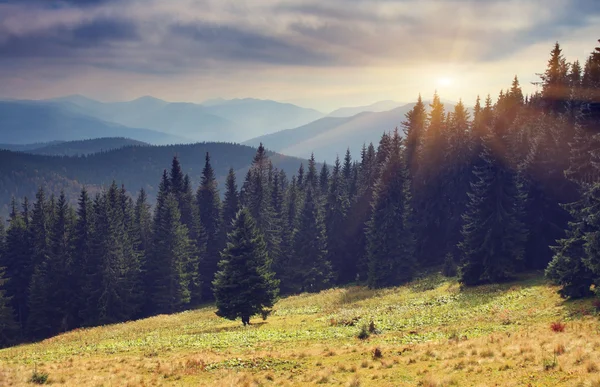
x: 59, y: 3
x: 275, y: 32
x: 62, y: 41
x: 231, y: 43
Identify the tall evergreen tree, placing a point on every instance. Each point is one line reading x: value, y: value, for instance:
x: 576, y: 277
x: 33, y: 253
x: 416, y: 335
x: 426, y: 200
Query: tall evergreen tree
x: 9, y: 329
x: 390, y: 235
x: 324, y: 179
x: 310, y: 268
x: 414, y: 129
x: 245, y: 285
x: 493, y: 232
x: 209, y: 204
x: 336, y: 212
x: 167, y: 274
x: 39, y: 322
x: 231, y: 202
x: 17, y: 262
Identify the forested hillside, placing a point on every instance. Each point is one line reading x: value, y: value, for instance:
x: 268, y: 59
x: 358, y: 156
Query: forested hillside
x: 85, y: 147
x: 136, y: 167
x: 514, y: 188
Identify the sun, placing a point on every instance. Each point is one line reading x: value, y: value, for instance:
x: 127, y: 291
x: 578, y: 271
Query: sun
x: 445, y: 81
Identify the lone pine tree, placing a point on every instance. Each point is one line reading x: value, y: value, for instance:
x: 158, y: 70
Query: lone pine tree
x: 245, y: 285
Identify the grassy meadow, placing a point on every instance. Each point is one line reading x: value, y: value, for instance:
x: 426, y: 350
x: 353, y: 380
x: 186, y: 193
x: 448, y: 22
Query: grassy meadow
x: 428, y: 333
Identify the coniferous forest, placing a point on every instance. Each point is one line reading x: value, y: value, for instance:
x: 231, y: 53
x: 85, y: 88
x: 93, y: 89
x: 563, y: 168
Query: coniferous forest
x: 510, y: 188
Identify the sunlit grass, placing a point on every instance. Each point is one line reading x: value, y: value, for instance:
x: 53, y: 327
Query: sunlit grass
x: 429, y: 333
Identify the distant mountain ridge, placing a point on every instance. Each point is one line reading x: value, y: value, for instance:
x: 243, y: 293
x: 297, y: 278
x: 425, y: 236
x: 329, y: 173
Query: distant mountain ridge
x: 216, y: 120
x: 380, y: 106
x: 331, y: 136
x: 24, y: 121
x: 86, y: 147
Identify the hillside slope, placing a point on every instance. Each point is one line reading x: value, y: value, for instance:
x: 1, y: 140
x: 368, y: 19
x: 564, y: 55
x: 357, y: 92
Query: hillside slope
x: 135, y: 167
x: 429, y: 333
x: 85, y: 147
x: 24, y: 122
x: 333, y: 135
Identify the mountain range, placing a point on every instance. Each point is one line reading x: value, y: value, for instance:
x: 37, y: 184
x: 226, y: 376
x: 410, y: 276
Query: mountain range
x: 330, y: 136
x: 218, y: 120
x: 136, y: 167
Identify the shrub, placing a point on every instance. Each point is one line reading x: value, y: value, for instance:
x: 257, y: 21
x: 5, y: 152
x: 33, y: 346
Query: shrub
x: 377, y: 354
x: 557, y: 326
x: 38, y: 378
x: 449, y: 269
x: 364, y: 333
x: 596, y: 304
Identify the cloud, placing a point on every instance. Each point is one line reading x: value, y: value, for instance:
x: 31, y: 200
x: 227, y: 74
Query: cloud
x: 284, y: 39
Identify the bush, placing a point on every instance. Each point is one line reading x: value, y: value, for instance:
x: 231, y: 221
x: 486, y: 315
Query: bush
x: 557, y: 326
x: 364, y: 333
x: 377, y: 354
x: 449, y: 269
x: 38, y: 378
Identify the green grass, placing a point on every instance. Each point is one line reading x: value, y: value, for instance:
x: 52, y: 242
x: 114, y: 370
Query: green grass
x: 430, y: 332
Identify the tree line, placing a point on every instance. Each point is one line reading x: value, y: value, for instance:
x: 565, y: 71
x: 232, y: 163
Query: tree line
x: 515, y: 187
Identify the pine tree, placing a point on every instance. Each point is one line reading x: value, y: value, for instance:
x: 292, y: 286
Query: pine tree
x: 336, y: 211
x: 39, y: 323
x: 457, y: 175
x: 167, y: 277
x: 390, y: 247
x: 414, y: 129
x: 81, y: 256
x: 568, y: 268
x: 493, y: 233
x: 59, y: 269
x: 324, y: 179
x: 209, y: 204
x: 310, y: 269
x: 9, y: 330
x: 231, y: 203
x: 429, y: 189
x: 245, y: 285
x: 312, y: 178
x: 17, y: 262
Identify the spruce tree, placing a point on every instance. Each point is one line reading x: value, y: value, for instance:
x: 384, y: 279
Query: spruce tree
x: 167, y: 274
x: 336, y: 212
x: 414, y: 129
x: 231, y: 202
x: 17, y: 262
x: 493, y: 233
x: 310, y: 268
x: 390, y: 247
x: 312, y: 177
x: 39, y: 320
x: 9, y: 330
x: 59, y: 269
x: 81, y: 256
x: 245, y: 284
x: 209, y: 205
x: 324, y: 179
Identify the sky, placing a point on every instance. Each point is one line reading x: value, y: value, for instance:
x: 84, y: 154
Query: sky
x: 314, y: 53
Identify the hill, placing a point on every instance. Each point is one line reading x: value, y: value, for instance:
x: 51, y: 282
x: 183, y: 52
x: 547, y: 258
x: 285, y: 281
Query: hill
x: 332, y: 135
x: 217, y: 120
x: 84, y: 147
x: 22, y: 121
x: 28, y: 147
x: 428, y: 333
x: 135, y: 167
x: 380, y: 106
